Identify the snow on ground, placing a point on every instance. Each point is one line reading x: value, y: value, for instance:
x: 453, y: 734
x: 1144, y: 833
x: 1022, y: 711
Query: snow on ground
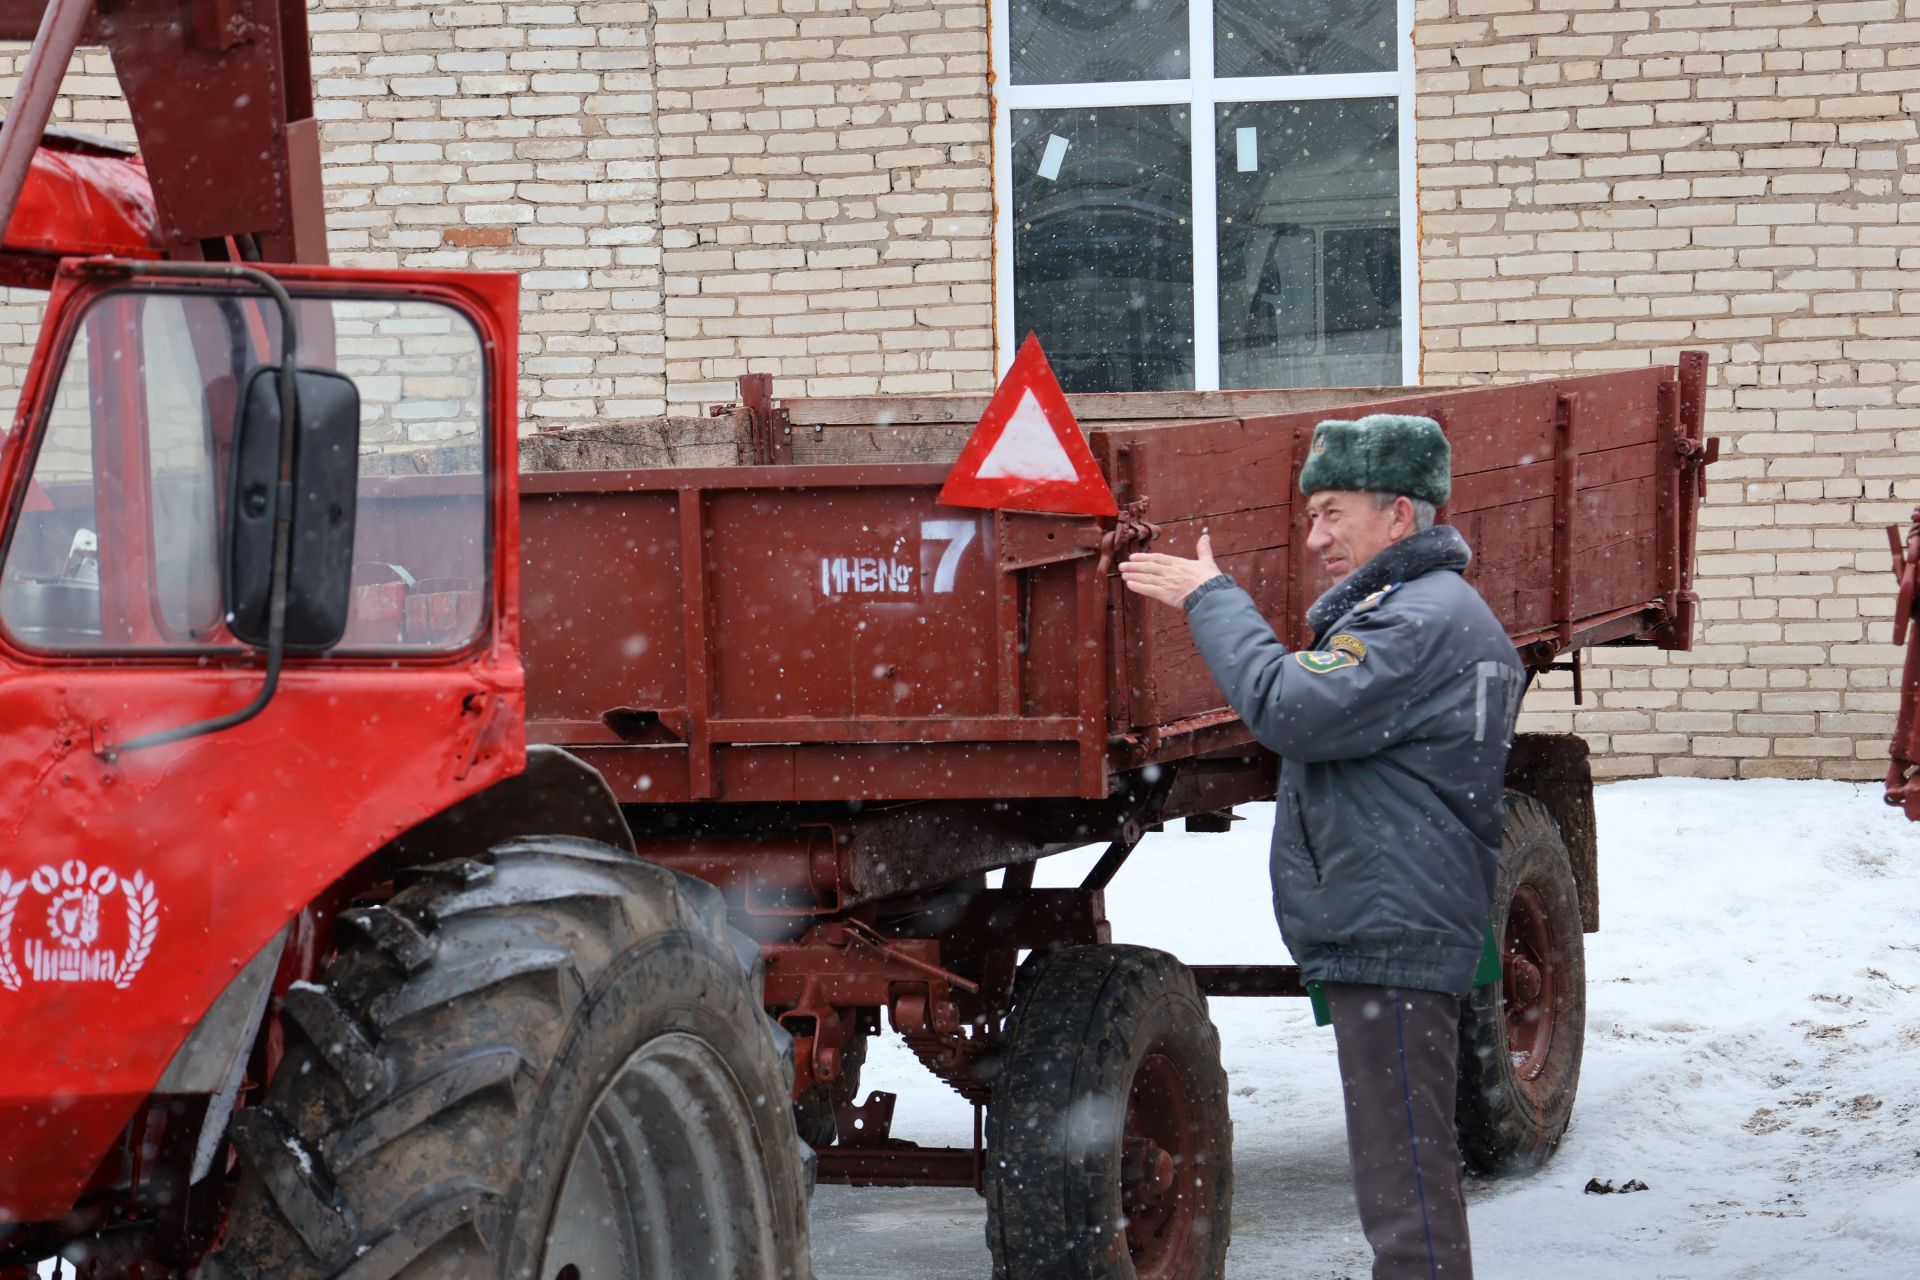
x: 1753, y: 1055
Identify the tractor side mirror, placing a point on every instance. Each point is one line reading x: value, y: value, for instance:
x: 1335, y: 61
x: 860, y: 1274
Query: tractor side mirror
x: 325, y: 479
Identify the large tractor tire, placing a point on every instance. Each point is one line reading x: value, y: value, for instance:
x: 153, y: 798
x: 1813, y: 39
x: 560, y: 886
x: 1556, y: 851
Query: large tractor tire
x: 1521, y: 1038
x: 548, y: 1065
x: 1109, y: 1146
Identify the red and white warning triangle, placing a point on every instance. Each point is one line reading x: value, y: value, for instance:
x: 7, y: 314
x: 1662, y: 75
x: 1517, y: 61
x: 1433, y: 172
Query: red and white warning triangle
x: 1027, y: 453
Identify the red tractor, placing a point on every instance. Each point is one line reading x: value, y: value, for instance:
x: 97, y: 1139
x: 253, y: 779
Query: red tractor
x: 304, y: 956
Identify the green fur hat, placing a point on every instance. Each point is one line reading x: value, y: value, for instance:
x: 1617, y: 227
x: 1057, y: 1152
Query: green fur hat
x: 1382, y: 453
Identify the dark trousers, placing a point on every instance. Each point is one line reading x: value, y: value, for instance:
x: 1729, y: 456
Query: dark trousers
x: 1398, y: 1068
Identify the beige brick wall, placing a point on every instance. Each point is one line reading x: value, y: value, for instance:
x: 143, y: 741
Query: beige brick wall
x: 825, y: 193
x: 690, y: 189
x: 514, y: 137
x: 1606, y: 182
x: 491, y: 136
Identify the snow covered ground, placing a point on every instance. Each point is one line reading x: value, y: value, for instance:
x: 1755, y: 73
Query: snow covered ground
x: 1753, y: 1056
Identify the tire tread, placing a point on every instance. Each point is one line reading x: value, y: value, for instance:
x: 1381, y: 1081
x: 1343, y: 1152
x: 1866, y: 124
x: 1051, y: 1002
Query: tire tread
x: 1064, y: 1078
x: 463, y: 990
x: 1499, y: 1132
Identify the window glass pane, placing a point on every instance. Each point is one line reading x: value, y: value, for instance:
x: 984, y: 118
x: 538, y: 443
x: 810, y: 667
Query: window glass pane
x: 420, y: 540
x: 1080, y: 41
x: 121, y: 541
x: 1303, y: 37
x: 1309, y: 209
x: 1103, y: 245
x: 50, y: 584
x: 186, y: 514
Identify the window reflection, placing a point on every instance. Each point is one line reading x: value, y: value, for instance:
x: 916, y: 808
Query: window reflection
x: 1081, y: 41
x: 1103, y: 245
x: 1303, y: 37
x: 1309, y: 226
x: 186, y: 512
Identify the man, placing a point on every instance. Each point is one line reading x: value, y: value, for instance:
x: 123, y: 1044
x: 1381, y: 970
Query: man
x: 1393, y: 732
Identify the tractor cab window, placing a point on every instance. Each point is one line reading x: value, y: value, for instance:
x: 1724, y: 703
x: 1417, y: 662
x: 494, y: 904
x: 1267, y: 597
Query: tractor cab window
x: 119, y: 544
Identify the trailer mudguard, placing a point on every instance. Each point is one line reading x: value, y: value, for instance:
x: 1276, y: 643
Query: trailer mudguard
x: 1554, y: 769
x: 557, y: 794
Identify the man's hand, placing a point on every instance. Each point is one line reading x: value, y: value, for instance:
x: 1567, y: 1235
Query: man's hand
x: 1169, y: 579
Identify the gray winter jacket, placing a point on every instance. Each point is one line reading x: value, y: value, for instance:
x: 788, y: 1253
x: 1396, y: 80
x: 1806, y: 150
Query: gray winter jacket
x: 1393, y: 735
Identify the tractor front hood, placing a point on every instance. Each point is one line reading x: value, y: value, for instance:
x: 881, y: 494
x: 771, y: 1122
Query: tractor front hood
x: 83, y: 196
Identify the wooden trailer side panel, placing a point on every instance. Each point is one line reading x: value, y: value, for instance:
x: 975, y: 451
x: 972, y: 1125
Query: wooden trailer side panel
x: 789, y: 634
x: 601, y: 608
x: 832, y: 633
x: 867, y: 429
x: 1228, y: 478
x: 1561, y: 488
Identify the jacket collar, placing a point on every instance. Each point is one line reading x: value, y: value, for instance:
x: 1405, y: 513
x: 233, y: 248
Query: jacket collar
x: 1440, y: 547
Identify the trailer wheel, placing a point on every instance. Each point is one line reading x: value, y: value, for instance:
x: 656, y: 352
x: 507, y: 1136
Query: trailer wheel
x: 548, y: 1065
x: 1521, y: 1038
x: 1110, y: 1150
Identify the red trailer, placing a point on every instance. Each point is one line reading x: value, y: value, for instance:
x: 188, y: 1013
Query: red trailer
x: 846, y: 705
x: 1903, y: 773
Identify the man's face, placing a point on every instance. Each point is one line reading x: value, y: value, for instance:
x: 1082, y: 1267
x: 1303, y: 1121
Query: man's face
x: 1346, y: 529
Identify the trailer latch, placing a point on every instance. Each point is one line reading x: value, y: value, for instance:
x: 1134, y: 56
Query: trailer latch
x: 1034, y: 539
x: 1132, y: 529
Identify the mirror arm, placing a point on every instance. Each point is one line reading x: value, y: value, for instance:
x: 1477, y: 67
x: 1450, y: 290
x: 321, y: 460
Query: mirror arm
x: 282, y: 508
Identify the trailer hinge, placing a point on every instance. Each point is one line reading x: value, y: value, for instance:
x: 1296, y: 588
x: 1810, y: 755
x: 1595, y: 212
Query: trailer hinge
x: 1698, y: 455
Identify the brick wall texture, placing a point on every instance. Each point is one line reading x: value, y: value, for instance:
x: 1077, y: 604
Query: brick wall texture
x: 1606, y: 182
x: 694, y: 189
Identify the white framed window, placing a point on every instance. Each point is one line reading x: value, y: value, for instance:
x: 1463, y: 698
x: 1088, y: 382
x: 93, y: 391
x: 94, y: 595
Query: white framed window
x: 1206, y: 194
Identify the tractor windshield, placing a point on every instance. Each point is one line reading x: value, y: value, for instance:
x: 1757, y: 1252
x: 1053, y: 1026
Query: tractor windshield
x: 119, y: 542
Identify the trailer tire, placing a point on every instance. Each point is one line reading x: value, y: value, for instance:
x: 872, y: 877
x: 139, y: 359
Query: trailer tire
x: 550, y: 1062
x: 1521, y: 1038
x: 1109, y: 1144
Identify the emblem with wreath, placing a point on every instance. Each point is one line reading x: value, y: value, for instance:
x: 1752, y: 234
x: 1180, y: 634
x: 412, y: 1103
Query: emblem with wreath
x: 76, y: 897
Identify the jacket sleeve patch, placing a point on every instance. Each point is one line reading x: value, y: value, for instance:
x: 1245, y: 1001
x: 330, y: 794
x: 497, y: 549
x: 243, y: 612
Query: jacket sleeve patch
x: 1346, y: 642
x: 1321, y: 661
